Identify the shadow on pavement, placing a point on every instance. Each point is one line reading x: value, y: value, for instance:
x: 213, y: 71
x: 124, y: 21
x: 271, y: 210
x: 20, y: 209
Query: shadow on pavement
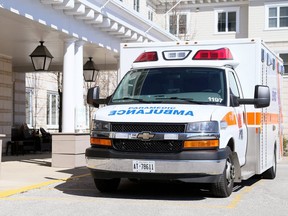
x: 147, y: 190
x: 84, y: 186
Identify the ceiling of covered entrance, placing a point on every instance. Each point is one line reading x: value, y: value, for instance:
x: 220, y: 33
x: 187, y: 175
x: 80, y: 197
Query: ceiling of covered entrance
x: 19, y: 36
x: 102, y: 25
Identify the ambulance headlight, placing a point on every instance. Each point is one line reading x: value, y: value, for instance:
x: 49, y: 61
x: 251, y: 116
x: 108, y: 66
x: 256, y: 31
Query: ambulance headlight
x: 203, y: 127
x: 101, y: 125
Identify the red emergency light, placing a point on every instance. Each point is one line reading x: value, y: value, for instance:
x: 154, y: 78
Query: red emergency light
x: 147, y: 56
x: 219, y: 54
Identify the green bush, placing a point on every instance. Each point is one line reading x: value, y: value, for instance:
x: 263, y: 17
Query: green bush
x: 285, y: 143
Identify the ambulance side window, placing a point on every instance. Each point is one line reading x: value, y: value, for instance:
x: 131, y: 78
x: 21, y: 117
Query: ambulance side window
x: 233, y: 85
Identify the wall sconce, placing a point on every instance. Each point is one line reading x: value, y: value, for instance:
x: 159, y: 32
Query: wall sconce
x: 41, y: 58
x: 90, y: 71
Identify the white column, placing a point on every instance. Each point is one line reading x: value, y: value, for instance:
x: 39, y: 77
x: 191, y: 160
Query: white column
x: 78, y: 88
x: 68, y: 116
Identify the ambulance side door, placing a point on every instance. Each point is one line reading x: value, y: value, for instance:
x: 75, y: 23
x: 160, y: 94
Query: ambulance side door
x: 240, y: 133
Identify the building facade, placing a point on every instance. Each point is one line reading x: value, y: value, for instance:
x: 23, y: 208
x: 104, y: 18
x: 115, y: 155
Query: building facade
x: 98, y: 27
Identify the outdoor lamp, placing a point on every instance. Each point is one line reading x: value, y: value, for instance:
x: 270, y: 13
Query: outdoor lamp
x: 41, y: 58
x: 90, y: 71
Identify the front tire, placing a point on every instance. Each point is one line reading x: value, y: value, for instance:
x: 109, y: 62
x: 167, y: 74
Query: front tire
x: 107, y: 185
x: 224, y: 187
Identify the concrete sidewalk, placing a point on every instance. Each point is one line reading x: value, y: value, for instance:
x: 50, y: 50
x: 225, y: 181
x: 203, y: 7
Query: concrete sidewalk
x: 25, y: 172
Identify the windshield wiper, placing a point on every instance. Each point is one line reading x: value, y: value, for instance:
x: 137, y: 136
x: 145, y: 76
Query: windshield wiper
x: 190, y: 100
x: 131, y: 98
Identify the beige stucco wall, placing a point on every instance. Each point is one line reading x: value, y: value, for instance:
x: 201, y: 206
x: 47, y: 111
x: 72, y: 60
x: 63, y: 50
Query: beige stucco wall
x: 285, y: 105
x: 201, y: 25
x: 257, y: 23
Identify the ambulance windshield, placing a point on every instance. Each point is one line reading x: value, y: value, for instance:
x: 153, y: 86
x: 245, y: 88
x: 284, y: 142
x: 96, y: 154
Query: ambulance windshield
x: 172, y: 85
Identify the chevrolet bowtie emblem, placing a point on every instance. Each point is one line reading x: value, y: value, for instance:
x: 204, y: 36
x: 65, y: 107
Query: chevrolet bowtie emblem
x: 145, y: 136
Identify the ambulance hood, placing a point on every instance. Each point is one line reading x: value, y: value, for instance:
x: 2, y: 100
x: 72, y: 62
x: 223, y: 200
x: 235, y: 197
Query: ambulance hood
x: 155, y: 113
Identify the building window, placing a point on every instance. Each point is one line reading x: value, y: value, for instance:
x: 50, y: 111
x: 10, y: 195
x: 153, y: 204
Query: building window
x: 178, y: 24
x: 284, y: 56
x: 227, y: 20
x: 150, y: 13
x: 29, y: 106
x: 277, y: 16
x: 136, y: 5
x: 52, y: 109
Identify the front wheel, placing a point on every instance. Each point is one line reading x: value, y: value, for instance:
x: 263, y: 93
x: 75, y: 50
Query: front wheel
x: 107, y: 185
x: 224, y: 187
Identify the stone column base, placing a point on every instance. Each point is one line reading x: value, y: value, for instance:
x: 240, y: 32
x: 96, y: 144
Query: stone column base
x: 68, y: 150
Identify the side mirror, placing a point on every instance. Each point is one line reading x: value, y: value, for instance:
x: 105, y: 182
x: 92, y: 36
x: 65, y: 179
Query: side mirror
x: 93, y: 97
x: 261, y: 96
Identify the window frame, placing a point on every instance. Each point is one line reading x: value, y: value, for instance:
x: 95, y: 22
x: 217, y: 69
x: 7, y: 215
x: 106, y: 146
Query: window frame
x: 150, y: 13
x: 177, y: 27
x: 136, y: 5
x: 30, y: 92
x: 49, y: 117
x: 227, y: 10
x: 285, y: 63
x: 277, y: 6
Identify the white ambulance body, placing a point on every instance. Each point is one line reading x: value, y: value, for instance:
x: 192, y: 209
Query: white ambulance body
x: 205, y: 112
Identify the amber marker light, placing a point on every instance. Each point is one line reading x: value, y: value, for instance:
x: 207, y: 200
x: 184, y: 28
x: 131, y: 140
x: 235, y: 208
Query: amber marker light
x: 100, y: 142
x: 188, y: 144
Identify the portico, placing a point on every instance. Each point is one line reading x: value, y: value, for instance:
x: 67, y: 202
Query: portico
x: 73, y: 31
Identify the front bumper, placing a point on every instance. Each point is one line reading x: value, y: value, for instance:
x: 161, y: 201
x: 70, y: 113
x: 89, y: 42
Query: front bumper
x: 187, y: 166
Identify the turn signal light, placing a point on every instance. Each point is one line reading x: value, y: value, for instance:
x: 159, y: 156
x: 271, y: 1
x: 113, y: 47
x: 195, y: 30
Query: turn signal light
x: 188, y: 144
x: 100, y: 142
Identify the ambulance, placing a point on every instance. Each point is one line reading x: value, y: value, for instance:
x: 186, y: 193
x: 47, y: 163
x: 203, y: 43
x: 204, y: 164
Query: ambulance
x: 187, y: 111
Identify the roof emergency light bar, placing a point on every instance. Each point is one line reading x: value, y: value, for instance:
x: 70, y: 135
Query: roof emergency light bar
x: 219, y: 54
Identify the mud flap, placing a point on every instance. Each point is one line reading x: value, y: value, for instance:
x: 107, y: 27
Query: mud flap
x: 237, y: 168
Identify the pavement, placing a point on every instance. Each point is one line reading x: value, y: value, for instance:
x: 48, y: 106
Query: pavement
x: 22, y: 173
x: 26, y: 172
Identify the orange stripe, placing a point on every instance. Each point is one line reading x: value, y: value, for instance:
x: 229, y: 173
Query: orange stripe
x: 280, y: 109
x: 255, y: 118
x: 230, y: 118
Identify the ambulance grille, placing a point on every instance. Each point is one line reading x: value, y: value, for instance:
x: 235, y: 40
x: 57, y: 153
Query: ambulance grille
x: 140, y: 127
x: 153, y: 146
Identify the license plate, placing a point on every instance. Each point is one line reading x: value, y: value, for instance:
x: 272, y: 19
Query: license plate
x: 143, y: 166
